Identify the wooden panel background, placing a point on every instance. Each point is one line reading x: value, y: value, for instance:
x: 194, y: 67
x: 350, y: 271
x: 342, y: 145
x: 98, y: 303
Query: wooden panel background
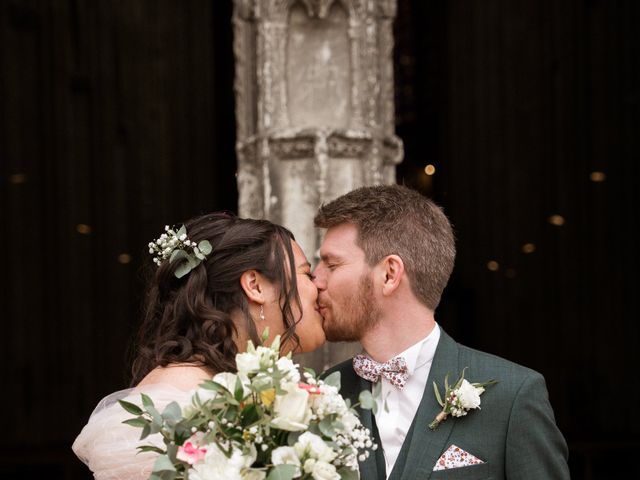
x: 516, y: 103
x: 117, y: 116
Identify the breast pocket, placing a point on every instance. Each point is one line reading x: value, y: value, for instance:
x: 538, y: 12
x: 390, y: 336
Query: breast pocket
x: 472, y: 472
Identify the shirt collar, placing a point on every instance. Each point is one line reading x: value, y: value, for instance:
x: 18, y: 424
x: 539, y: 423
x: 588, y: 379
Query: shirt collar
x: 421, y: 352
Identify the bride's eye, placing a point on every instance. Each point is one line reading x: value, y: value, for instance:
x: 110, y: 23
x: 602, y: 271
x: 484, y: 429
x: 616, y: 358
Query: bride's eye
x: 310, y: 275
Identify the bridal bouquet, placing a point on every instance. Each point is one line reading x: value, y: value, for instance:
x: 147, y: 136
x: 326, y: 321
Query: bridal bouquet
x: 262, y: 423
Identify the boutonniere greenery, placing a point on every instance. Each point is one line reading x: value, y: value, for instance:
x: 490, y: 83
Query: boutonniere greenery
x: 458, y: 398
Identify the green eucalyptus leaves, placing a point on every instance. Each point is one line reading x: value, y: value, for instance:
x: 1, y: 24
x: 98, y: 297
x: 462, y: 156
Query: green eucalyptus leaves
x: 177, y: 247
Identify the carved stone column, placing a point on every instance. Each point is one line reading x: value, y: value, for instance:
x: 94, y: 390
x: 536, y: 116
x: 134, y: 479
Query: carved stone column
x: 315, y: 111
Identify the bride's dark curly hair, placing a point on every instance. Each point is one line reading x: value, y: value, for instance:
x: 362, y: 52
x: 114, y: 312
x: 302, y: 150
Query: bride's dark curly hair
x: 188, y: 319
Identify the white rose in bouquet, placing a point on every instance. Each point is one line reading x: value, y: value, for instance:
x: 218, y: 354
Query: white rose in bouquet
x: 248, y: 363
x: 314, y: 446
x: 227, y: 380
x: 252, y: 474
x: 291, y: 410
x: 286, y: 366
x: 320, y: 470
x: 255, y: 359
x: 217, y: 466
x: 286, y: 456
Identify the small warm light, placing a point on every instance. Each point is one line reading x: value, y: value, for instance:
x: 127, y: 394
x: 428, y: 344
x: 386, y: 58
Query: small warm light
x: 429, y: 169
x: 493, y: 265
x: 17, y: 178
x: 557, y: 220
x: 529, y: 248
x: 510, y: 273
x: 406, y: 60
x: 124, y: 258
x: 598, y: 177
x: 83, y: 229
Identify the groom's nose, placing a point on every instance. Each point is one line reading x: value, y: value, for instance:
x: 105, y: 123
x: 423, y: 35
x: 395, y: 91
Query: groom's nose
x: 319, y: 277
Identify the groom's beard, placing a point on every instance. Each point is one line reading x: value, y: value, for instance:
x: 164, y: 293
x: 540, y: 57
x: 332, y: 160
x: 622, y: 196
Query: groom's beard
x: 360, y: 314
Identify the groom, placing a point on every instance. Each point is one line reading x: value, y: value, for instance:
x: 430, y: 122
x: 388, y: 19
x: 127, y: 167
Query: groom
x: 386, y: 258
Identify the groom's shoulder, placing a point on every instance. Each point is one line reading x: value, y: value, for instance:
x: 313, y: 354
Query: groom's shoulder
x: 491, y: 360
x: 486, y: 364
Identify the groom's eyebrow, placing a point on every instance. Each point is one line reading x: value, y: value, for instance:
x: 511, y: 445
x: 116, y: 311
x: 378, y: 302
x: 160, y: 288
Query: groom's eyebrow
x: 327, y: 256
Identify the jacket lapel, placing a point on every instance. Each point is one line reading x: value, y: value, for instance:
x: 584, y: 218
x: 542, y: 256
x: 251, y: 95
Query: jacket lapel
x: 373, y: 466
x: 351, y: 386
x: 424, y: 446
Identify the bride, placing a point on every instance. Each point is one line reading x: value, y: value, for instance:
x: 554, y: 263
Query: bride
x: 201, y: 309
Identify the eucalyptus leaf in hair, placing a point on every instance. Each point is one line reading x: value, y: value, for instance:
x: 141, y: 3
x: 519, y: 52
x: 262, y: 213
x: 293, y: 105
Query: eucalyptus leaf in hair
x: 177, y: 255
x: 205, y: 247
x: 182, y: 270
x: 176, y: 246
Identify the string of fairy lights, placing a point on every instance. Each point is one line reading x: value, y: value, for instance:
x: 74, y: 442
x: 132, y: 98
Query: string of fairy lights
x: 492, y: 265
x: 527, y: 248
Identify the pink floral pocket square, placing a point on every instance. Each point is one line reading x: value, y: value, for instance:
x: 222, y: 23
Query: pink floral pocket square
x: 455, y: 457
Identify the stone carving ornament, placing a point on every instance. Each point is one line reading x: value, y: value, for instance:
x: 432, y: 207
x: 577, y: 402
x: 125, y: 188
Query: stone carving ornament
x: 314, y: 105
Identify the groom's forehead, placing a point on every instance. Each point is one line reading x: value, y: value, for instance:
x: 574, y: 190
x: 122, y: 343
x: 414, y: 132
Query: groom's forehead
x: 342, y: 233
x: 339, y: 240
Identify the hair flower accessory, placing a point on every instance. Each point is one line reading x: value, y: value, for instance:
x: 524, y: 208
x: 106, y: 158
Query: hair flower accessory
x: 176, y: 246
x: 458, y: 399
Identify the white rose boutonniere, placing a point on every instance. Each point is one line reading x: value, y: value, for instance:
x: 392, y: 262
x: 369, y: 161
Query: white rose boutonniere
x: 458, y: 399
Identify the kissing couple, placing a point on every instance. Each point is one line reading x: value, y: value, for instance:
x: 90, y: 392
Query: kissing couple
x: 386, y: 257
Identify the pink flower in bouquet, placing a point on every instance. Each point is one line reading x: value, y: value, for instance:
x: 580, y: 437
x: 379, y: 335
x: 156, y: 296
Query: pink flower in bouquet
x: 190, y: 453
x: 311, y: 389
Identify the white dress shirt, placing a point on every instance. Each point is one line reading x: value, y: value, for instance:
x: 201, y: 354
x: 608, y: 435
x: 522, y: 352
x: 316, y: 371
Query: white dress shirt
x: 394, y: 419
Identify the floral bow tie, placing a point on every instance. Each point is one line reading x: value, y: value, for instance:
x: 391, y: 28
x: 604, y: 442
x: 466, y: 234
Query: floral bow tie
x: 395, y: 370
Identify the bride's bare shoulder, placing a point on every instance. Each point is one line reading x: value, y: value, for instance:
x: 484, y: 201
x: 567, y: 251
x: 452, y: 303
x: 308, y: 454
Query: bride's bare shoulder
x: 183, y: 376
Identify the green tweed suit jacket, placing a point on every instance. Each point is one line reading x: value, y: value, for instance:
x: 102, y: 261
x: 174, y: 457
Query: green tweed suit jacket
x: 514, y: 432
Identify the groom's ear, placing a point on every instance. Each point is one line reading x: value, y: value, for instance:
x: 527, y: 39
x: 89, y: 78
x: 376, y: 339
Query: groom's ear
x: 252, y: 285
x: 393, y: 271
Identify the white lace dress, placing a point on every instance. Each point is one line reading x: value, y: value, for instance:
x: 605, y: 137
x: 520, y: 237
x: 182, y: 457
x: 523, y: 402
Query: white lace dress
x: 108, y: 446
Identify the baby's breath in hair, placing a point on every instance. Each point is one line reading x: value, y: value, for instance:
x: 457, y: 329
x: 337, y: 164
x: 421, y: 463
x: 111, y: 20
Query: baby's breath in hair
x: 177, y: 246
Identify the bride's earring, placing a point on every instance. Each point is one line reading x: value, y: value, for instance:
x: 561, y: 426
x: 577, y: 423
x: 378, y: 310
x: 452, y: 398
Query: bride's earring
x: 261, y: 313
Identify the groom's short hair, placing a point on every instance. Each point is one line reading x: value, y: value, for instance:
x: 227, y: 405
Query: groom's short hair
x: 393, y: 219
